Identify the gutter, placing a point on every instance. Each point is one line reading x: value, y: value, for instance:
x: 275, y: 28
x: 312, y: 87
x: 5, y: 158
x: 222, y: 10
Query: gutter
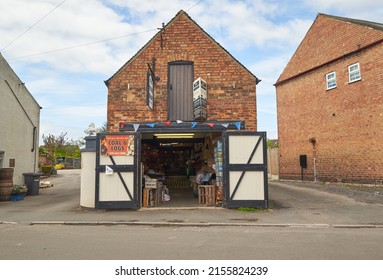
x: 329, y: 62
x: 33, y: 125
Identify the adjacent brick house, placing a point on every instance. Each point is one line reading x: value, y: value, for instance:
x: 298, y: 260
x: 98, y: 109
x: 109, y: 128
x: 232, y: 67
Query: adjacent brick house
x: 184, y: 45
x: 330, y: 103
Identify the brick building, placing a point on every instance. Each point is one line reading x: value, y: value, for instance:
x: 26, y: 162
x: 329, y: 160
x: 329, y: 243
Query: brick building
x: 330, y: 103
x: 177, y: 97
x: 182, y: 50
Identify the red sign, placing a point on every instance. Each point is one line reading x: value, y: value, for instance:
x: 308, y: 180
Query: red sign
x: 117, y: 145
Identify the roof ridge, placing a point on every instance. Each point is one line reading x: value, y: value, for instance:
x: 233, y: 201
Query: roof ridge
x: 371, y: 24
x: 145, y: 45
x: 2, y: 58
x: 208, y: 35
x: 179, y: 13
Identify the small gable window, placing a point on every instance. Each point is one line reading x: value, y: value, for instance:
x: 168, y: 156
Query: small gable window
x: 354, y: 73
x: 330, y: 80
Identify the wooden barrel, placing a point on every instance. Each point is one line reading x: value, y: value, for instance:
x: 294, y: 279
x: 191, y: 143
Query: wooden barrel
x: 6, y: 183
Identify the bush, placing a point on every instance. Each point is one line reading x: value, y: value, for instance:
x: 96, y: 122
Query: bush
x: 19, y: 189
x: 47, y: 170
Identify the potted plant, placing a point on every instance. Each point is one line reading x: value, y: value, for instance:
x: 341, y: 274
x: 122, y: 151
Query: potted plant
x: 18, y: 192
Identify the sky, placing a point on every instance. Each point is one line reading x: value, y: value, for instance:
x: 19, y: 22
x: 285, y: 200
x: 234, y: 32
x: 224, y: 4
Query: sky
x: 64, y: 50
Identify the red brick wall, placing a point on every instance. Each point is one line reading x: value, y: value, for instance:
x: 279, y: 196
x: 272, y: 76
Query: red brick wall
x: 328, y: 39
x: 183, y: 40
x: 346, y: 121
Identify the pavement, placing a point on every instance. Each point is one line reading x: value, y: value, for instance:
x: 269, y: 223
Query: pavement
x: 291, y: 205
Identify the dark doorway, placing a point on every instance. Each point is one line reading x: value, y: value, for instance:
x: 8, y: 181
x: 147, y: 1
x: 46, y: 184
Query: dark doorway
x: 173, y: 160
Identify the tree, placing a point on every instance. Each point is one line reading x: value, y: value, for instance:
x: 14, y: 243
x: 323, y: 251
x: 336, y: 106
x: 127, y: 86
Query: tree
x: 58, y: 149
x: 52, y: 143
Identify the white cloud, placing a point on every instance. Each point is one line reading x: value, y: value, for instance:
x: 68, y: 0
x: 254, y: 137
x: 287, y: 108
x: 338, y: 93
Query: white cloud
x: 371, y: 10
x: 73, y: 120
x: 263, y: 33
x: 74, y: 23
x: 247, y: 23
x: 348, y: 5
x: 240, y: 25
x: 269, y: 70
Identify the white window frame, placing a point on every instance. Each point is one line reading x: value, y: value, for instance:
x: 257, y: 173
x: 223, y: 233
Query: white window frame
x: 331, y: 81
x: 354, y: 75
x: 2, y: 155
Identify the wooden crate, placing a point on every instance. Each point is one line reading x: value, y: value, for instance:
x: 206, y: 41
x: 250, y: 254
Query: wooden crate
x: 153, y: 197
x: 206, y: 195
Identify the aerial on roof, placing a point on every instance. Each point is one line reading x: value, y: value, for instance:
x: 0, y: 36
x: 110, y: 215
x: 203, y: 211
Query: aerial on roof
x: 180, y: 13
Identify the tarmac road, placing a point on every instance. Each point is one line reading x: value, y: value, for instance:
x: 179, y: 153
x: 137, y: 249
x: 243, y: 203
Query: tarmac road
x: 125, y: 242
x: 290, y: 205
x: 303, y: 223
x: 309, y: 205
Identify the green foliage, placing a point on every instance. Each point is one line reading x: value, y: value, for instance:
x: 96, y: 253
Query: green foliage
x: 19, y: 189
x: 272, y: 143
x: 58, y: 146
x: 249, y: 209
x: 46, y: 170
x: 52, y: 143
x: 68, y: 151
x: 42, y: 150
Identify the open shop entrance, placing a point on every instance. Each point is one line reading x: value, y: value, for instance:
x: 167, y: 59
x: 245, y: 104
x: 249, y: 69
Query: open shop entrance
x: 161, y: 169
x: 173, y: 165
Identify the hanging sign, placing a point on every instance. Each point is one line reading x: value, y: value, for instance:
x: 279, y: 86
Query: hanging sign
x: 117, y: 145
x: 151, y: 79
x: 150, y: 90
